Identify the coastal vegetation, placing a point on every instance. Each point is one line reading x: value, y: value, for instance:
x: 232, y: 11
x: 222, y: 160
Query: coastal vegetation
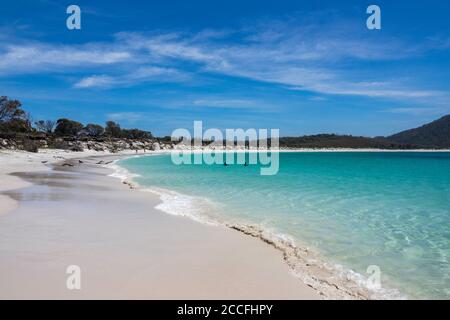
x: 18, y: 131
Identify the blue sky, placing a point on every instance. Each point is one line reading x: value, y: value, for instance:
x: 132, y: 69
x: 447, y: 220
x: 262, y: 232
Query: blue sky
x: 304, y: 67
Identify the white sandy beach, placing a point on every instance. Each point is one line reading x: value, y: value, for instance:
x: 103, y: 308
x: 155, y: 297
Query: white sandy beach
x: 53, y: 218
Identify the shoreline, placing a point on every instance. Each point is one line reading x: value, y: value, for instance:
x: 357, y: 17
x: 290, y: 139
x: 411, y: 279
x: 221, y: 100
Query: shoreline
x: 216, y: 262
x: 294, y: 256
x: 332, y: 280
x: 312, y: 150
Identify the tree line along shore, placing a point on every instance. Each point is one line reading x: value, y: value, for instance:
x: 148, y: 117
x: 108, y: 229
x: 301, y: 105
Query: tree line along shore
x: 18, y: 131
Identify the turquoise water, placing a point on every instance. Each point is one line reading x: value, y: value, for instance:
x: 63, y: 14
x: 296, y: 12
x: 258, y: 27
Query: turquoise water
x: 357, y: 209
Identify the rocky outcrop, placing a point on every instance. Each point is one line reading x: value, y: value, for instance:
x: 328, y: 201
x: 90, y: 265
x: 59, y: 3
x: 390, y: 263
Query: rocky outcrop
x: 156, y: 146
x: 32, y: 143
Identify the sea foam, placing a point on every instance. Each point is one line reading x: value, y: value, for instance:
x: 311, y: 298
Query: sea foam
x: 332, y: 281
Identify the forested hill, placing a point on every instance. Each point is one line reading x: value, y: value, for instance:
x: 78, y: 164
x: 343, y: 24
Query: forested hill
x: 338, y: 141
x: 435, y: 134
x: 432, y: 135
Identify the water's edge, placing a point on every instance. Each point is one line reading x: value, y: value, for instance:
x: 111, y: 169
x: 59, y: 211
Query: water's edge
x: 332, y: 281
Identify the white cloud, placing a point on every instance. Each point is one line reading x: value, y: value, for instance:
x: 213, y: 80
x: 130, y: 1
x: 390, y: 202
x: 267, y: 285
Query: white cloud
x: 142, y: 74
x: 127, y: 117
x: 157, y: 73
x: 95, y: 81
x: 299, y: 57
x: 394, y: 91
x: 295, y: 54
x: 39, y: 57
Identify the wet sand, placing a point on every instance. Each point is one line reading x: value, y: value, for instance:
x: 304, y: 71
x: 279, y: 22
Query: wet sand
x: 126, y: 249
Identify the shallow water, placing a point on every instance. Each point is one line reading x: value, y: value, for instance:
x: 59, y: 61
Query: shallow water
x: 357, y: 209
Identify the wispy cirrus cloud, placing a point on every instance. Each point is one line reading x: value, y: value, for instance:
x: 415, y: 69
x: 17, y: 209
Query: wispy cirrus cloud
x: 127, y: 117
x: 295, y: 54
x: 373, y: 89
x: 141, y: 74
x: 95, y: 81
x: 26, y: 58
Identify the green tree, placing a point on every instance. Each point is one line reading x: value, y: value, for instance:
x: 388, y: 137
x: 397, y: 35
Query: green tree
x: 94, y: 130
x: 113, y: 129
x: 66, y: 127
x: 46, y: 126
x: 12, y: 117
x: 136, y: 134
x: 10, y: 109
